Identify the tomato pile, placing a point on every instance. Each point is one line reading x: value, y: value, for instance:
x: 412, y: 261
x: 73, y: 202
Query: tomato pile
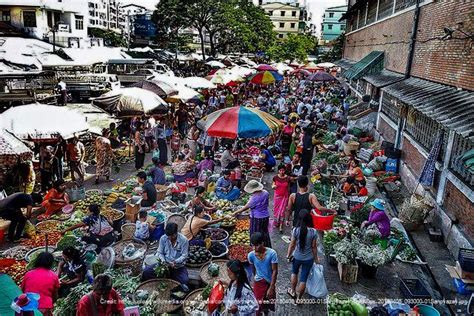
x: 242, y: 224
x: 239, y: 252
x: 40, y: 240
x: 16, y: 270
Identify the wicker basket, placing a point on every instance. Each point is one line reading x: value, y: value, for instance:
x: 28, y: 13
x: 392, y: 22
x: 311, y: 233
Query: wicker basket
x: 128, y: 231
x: 180, y: 220
x: 206, y: 278
x: 94, y: 191
x: 190, y: 298
x: 42, y: 225
x: 350, y: 146
x: 134, y: 265
x: 165, y: 294
x: 161, y: 191
x: 199, y: 265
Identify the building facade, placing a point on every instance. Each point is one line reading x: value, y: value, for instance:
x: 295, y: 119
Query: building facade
x: 64, y: 23
x: 414, y: 59
x: 286, y: 18
x: 104, y: 14
x: 331, y: 27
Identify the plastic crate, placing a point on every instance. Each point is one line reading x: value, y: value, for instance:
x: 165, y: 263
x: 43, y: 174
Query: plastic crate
x: 466, y: 259
x: 413, y: 289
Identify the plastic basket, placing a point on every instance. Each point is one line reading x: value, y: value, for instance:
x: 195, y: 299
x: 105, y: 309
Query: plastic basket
x: 427, y: 310
x: 76, y: 194
x: 322, y: 222
x: 466, y: 259
x: 413, y: 289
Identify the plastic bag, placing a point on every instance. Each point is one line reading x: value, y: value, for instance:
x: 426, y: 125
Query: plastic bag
x: 315, y: 285
x: 30, y: 230
x: 215, y: 297
x: 156, y: 153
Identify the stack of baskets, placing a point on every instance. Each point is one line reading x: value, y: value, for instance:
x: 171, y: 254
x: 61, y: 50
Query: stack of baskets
x: 135, y: 265
x: 128, y: 231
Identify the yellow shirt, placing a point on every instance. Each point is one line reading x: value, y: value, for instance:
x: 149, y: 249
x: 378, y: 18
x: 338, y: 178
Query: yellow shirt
x: 192, y: 227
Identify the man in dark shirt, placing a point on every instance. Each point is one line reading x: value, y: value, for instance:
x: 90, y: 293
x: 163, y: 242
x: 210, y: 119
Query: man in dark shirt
x: 10, y: 209
x: 149, y: 190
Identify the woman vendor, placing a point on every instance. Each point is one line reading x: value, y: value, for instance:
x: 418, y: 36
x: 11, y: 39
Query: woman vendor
x: 200, y: 201
x: 101, y: 232
x: 225, y: 190
x: 258, y: 205
x: 228, y: 161
x: 182, y: 169
x: 266, y: 157
x: 55, y: 199
x: 378, y: 217
x: 191, y: 230
x: 73, y: 268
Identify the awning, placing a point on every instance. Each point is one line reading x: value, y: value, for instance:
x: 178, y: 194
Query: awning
x: 345, y: 63
x: 372, y: 63
x: 448, y: 106
x: 384, y: 78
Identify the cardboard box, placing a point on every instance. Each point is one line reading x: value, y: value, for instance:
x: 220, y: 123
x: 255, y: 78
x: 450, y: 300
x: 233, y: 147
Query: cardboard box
x: 462, y: 273
x: 131, y: 210
x: 455, y: 275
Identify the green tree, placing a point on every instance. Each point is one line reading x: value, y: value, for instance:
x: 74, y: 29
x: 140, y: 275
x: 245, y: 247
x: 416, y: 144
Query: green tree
x: 335, y: 53
x: 111, y: 38
x: 295, y: 47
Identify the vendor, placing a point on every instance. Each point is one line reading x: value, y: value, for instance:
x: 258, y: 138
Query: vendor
x: 349, y: 187
x: 182, y: 169
x: 173, y: 251
x: 355, y: 170
x: 200, y: 201
x: 191, y: 230
x: 361, y: 189
x: 101, y: 232
x: 267, y: 157
x: 225, y: 190
x: 73, y: 268
x: 188, y: 154
x: 156, y: 173
x: 228, y: 161
x: 378, y: 217
x: 10, y: 209
x: 149, y: 191
x: 55, y: 199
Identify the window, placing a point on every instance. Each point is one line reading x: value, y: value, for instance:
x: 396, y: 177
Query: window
x: 385, y: 9
x: 293, y: 13
x: 5, y: 17
x: 329, y: 26
x: 79, y: 22
x: 331, y: 14
x: 29, y: 18
x: 270, y: 12
x: 343, y: 27
x: 293, y: 25
x: 280, y: 35
x: 282, y: 13
x: 282, y: 25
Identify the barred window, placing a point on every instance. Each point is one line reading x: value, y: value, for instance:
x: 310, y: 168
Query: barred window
x: 390, y: 107
x: 29, y: 18
x: 361, y: 22
x: 372, y: 11
x: 461, y: 145
x: 385, y: 8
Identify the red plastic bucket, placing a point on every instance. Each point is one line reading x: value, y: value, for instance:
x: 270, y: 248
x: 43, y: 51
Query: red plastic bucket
x: 322, y: 222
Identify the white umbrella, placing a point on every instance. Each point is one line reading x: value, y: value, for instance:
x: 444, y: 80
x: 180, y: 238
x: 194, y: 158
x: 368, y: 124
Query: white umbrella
x: 326, y: 65
x: 198, y: 83
x: 184, y: 94
x: 215, y: 64
x: 41, y: 121
x: 131, y: 101
x: 282, y: 67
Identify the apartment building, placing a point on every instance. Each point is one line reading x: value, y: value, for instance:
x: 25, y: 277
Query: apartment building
x: 104, y: 14
x: 331, y: 27
x: 286, y: 18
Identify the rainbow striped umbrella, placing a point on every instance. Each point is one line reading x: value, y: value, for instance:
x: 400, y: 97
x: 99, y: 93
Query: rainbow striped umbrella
x: 266, y: 77
x: 240, y: 121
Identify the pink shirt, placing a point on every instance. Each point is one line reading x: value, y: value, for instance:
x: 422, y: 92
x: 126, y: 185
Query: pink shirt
x: 42, y: 281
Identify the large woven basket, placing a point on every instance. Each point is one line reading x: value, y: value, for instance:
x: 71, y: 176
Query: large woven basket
x: 206, y: 278
x: 190, y: 298
x: 165, y: 305
x: 134, y: 265
x: 180, y: 220
x: 128, y: 231
x: 161, y: 191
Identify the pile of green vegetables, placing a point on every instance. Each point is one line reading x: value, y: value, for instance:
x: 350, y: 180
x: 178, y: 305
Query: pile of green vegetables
x: 68, y: 240
x: 329, y: 138
x: 66, y: 306
x: 329, y: 240
x: 340, y: 305
x: 161, y: 270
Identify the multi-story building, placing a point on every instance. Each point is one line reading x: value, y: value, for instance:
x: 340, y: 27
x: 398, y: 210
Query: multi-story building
x: 129, y: 13
x: 414, y: 59
x: 286, y: 18
x: 331, y: 27
x: 62, y: 22
x: 104, y: 14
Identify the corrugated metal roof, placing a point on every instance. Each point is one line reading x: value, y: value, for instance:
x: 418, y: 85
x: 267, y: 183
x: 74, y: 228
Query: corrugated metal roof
x: 344, y: 63
x: 450, y: 107
x: 372, y: 63
x: 384, y: 78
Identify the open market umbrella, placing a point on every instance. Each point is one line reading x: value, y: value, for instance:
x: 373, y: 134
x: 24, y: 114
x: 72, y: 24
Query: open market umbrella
x: 239, y: 121
x: 326, y: 65
x: 198, y: 83
x: 158, y: 87
x: 302, y: 71
x: 266, y: 77
x: 40, y: 121
x: 131, y: 102
x: 312, y: 67
x: 321, y: 76
x: 12, y: 146
x: 185, y: 94
x: 265, y: 67
x: 215, y: 64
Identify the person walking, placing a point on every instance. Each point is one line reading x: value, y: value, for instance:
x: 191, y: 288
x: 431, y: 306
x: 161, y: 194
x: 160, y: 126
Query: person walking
x: 160, y: 135
x: 302, y: 252
x: 75, y: 155
x: 281, y: 185
x: 104, y: 156
x: 140, y: 146
x: 308, y: 148
x: 264, y: 262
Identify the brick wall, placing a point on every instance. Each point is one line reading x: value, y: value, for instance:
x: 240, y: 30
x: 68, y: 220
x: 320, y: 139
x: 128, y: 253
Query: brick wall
x: 449, y: 62
x: 412, y: 157
x: 386, y: 131
x: 458, y: 205
x: 382, y: 36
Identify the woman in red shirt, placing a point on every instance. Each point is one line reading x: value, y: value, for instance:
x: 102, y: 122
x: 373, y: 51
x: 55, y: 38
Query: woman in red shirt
x: 362, y: 190
x: 102, y: 301
x: 43, y: 281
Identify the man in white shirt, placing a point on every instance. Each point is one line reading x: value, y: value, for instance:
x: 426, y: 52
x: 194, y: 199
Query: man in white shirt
x: 300, y: 107
x: 62, y: 91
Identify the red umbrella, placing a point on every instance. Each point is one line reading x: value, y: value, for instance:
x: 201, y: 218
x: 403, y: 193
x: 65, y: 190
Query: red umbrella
x: 231, y: 84
x: 265, y: 67
x: 213, y: 71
